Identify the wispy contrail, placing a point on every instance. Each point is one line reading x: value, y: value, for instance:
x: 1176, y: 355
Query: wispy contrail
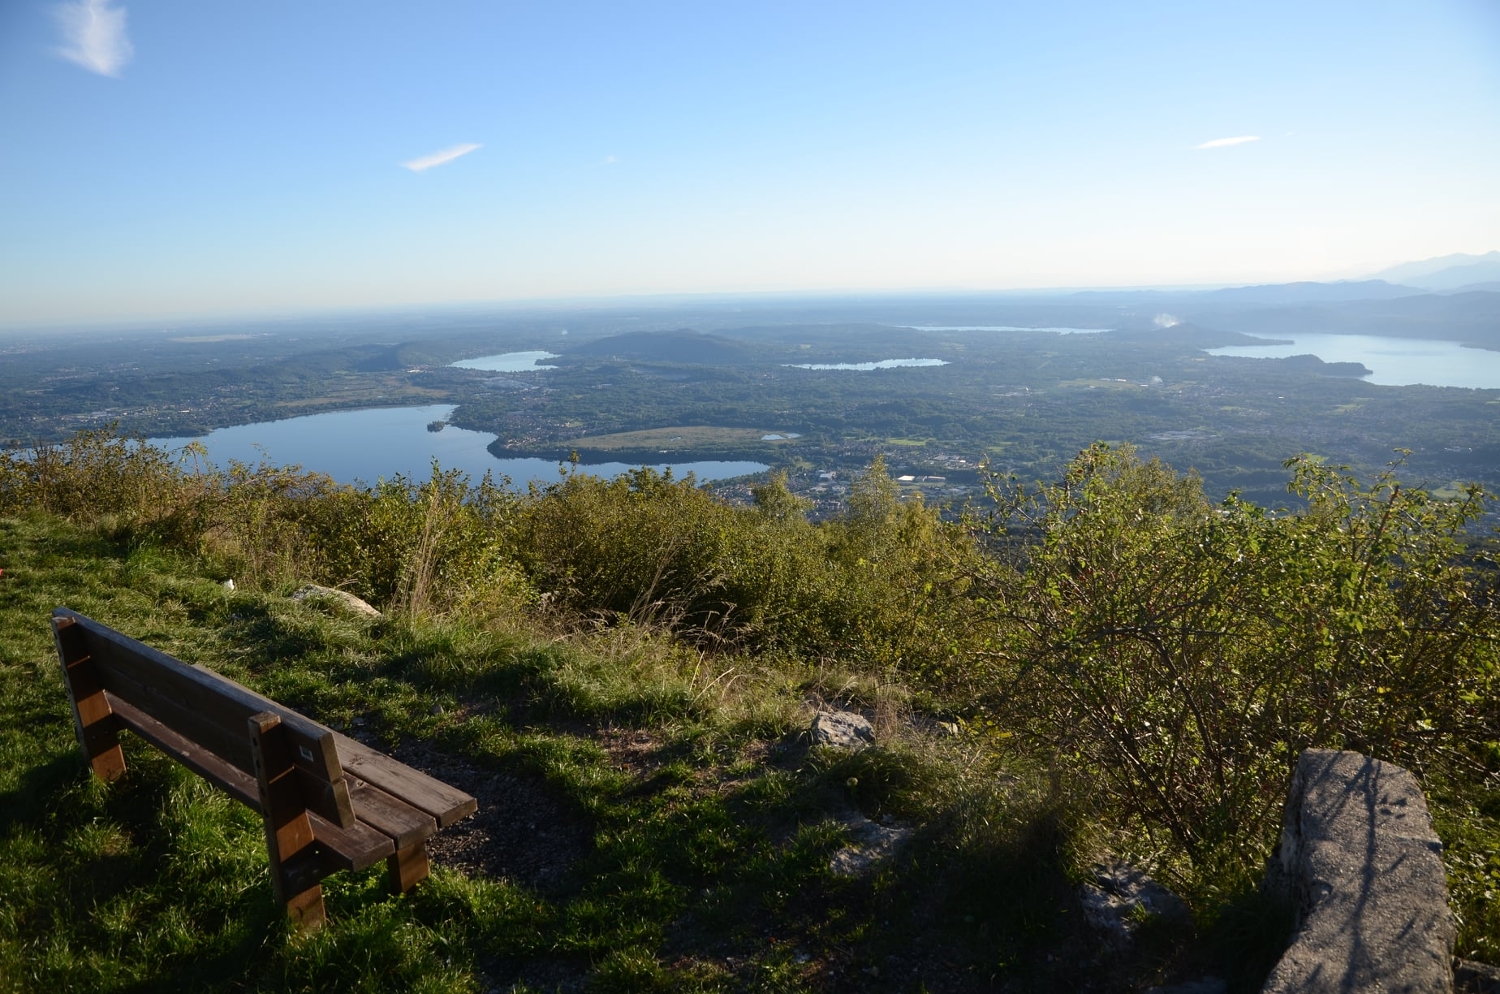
x: 438, y: 158
x: 1226, y: 142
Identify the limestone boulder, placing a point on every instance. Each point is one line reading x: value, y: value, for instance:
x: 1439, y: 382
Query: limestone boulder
x: 842, y: 730
x: 1360, y: 861
x: 341, y: 599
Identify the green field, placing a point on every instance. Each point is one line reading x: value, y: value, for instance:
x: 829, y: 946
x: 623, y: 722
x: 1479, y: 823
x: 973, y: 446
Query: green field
x: 682, y: 437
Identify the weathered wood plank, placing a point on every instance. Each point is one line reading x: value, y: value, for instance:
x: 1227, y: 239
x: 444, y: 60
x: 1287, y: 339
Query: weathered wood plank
x: 444, y: 803
x: 405, y: 824
x: 226, y: 776
x: 289, y: 833
x: 358, y: 847
x: 211, y: 709
x: 93, y: 722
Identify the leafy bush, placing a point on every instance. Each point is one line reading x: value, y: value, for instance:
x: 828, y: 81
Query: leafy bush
x: 1178, y: 655
x: 97, y: 475
x: 440, y: 544
x: 878, y: 585
x: 414, y: 546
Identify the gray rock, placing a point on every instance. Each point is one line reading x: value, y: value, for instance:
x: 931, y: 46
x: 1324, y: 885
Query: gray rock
x: 339, y: 598
x: 1120, y: 896
x: 1359, y: 858
x: 1475, y: 978
x: 842, y: 730
x: 869, y: 843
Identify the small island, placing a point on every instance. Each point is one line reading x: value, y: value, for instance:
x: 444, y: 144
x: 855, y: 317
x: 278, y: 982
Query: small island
x: 1313, y: 364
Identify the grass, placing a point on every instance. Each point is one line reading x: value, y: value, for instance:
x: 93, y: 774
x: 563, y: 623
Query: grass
x: 378, y: 390
x: 700, y: 827
x: 705, y: 857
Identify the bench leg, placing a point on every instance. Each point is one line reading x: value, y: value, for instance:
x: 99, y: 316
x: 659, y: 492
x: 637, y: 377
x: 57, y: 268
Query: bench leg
x: 407, y: 867
x: 93, y: 721
x: 289, y: 835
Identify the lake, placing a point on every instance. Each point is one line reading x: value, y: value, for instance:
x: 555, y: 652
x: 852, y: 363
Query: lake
x: 1397, y: 362
x: 866, y: 366
x: 375, y: 443
x: 507, y: 362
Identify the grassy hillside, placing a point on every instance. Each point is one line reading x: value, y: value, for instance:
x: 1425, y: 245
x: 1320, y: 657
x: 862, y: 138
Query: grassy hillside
x: 622, y: 673
x: 684, y: 837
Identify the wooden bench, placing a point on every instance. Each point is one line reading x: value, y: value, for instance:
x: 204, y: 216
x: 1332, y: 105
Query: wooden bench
x: 329, y: 803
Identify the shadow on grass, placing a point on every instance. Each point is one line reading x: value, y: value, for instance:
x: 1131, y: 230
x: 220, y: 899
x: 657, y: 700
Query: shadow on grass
x: 1249, y: 935
x: 40, y: 790
x: 222, y: 969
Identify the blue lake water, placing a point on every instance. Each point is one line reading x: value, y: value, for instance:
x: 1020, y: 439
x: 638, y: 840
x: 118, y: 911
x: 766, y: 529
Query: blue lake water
x: 1396, y: 362
x: 867, y: 366
x: 377, y: 443
x: 507, y: 362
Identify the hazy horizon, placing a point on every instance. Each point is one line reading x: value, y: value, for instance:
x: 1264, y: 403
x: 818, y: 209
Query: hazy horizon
x: 200, y: 163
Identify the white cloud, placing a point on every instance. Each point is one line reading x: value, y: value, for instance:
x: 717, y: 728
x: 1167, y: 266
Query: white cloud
x: 94, y: 33
x: 1166, y: 321
x: 447, y: 155
x: 610, y: 160
x: 1226, y: 142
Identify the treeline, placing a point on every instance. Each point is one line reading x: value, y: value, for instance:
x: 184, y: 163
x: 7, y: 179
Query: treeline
x: 1160, y: 657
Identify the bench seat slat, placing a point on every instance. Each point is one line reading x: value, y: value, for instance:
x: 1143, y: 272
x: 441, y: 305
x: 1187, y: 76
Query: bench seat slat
x: 405, y: 824
x: 357, y: 847
x: 445, y: 804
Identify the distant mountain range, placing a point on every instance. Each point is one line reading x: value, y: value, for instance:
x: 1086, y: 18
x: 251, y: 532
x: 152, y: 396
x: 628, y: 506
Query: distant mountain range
x: 1262, y: 295
x: 1458, y: 273
x: 1447, y: 272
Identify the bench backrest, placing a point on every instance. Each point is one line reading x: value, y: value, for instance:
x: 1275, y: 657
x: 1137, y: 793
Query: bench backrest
x: 205, y: 708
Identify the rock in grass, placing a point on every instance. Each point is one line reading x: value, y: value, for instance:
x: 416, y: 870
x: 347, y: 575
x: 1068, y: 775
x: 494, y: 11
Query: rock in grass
x: 842, y: 730
x: 869, y: 843
x: 1475, y: 978
x: 1120, y: 896
x: 338, y: 598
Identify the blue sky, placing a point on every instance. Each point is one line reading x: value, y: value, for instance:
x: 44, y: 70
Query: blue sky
x: 168, y: 159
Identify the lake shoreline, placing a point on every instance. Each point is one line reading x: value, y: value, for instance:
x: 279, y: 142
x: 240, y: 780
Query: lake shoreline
x: 365, y: 445
x: 639, y: 457
x: 1392, y: 361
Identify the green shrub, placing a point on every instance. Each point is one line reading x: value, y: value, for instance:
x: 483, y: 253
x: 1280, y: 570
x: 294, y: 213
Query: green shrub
x: 440, y: 544
x: 97, y: 475
x: 1177, y: 656
x: 883, y: 586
